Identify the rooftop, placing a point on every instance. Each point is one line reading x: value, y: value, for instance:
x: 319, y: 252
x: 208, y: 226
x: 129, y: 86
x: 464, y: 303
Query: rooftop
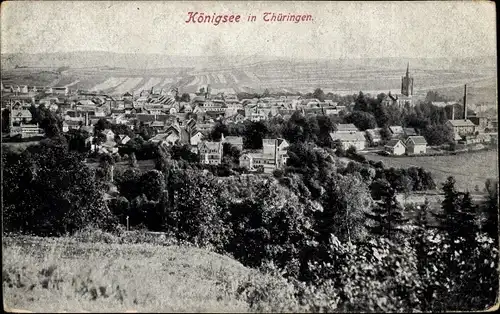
x: 346, y: 127
x: 418, y: 140
x: 410, y: 131
x: 234, y: 139
x: 355, y: 136
x: 211, y: 145
x: 375, y: 133
x: 396, y: 129
x: 393, y: 142
x: 461, y: 122
x: 21, y: 113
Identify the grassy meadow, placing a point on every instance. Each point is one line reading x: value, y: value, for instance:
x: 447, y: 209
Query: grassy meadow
x: 468, y: 169
x: 67, y: 274
x: 18, y: 146
x: 142, y: 165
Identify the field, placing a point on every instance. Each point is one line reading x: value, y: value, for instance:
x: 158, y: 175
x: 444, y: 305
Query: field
x: 135, y: 73
x: 63, y: 274
x: 142, y: 165
x: 468, y: 169
x: 257, y: 78
x: 18, y: 146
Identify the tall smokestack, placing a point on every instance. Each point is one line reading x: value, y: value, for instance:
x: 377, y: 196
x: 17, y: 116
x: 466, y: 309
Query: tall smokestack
x: 465, y: 102
x: 453, y: 112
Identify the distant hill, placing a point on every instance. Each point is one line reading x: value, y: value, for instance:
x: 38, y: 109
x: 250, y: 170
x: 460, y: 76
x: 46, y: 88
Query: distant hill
x: 117, y: 73
x: 151, y: 61
x: 100, y: 59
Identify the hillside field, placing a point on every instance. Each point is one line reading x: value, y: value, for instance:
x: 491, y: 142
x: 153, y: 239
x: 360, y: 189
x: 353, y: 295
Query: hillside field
x: 133, y: 73
x: 65, y: 274
x: 468, y: 169
x: 18, y: 146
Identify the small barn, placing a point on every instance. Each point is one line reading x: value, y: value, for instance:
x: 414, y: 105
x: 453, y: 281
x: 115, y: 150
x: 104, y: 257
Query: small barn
x: 395, y: 147
x: 416, y: 145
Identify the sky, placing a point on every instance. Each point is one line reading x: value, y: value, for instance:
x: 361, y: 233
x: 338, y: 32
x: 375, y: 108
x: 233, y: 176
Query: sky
x: 337, y: 30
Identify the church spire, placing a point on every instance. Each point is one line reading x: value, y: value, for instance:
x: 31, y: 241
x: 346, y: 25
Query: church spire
x: 407, y: 83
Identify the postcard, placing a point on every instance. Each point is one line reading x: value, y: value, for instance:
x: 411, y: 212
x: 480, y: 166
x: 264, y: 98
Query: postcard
x: 249, y: 156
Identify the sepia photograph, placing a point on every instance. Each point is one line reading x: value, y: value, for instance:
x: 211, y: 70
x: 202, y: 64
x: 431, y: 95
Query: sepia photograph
x: 249, y: 156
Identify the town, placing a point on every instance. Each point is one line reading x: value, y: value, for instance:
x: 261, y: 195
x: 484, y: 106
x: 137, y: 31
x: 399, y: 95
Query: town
x: 189, y: 119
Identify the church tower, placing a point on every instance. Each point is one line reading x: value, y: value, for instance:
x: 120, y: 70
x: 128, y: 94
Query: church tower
x: 407, y: 83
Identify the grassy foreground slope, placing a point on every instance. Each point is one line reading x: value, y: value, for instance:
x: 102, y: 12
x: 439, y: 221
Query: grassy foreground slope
x: 41, y: 275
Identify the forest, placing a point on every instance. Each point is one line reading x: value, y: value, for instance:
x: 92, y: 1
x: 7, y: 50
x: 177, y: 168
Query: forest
x: 329, y: 222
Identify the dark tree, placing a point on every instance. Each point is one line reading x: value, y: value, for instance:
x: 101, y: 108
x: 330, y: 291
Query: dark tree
x: 387, y: 217
x: 101, y: 125
x: 76, y: 140
x: 490, y: 209
x: 152, y: 184
x: 183, y: 152
x: 185, y: 97
x: 326, y: 125
x: 381, y: 115
x: 345, y: 204
x: 5, y: 120
x: 319, y: 94
x: 218, y: 130
x: 362, y: 120
x: 253, y: 134
x: 458, y: 215
x: 145, y: 131
x: 232, y: 152
x: 63, y: 193
x: 128, y: 184
x: 385, y: 134
x: 438, y: 134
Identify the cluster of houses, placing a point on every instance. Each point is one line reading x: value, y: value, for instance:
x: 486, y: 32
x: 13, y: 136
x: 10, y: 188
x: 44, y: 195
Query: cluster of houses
x: 273, y: 155
x: 157, y: 108
x: 406, y: 141
x: 175, y: 122
x: 20, y: 124
x: 110, y: 143
x: 188, y: 121
x: 475, y: 129
x: 471, y: 129
x: 413, y: 145
x: 33, y: 90
x: 403, y: 140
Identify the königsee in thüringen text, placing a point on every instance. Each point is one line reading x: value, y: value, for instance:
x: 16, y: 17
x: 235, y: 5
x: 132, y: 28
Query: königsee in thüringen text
x: 216, y: 19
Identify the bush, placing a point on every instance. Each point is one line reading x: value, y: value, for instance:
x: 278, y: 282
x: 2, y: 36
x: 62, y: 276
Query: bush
x: 63, y: 193
x: 95, y: 235
x: 269, y: 293
x: 271, y: 226
x: 374, y: 276
x: 278, y: 173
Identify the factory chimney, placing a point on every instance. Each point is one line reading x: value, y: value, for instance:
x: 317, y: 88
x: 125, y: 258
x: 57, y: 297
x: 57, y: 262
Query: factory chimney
x: 465, y: 102
x: 453, y: 112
